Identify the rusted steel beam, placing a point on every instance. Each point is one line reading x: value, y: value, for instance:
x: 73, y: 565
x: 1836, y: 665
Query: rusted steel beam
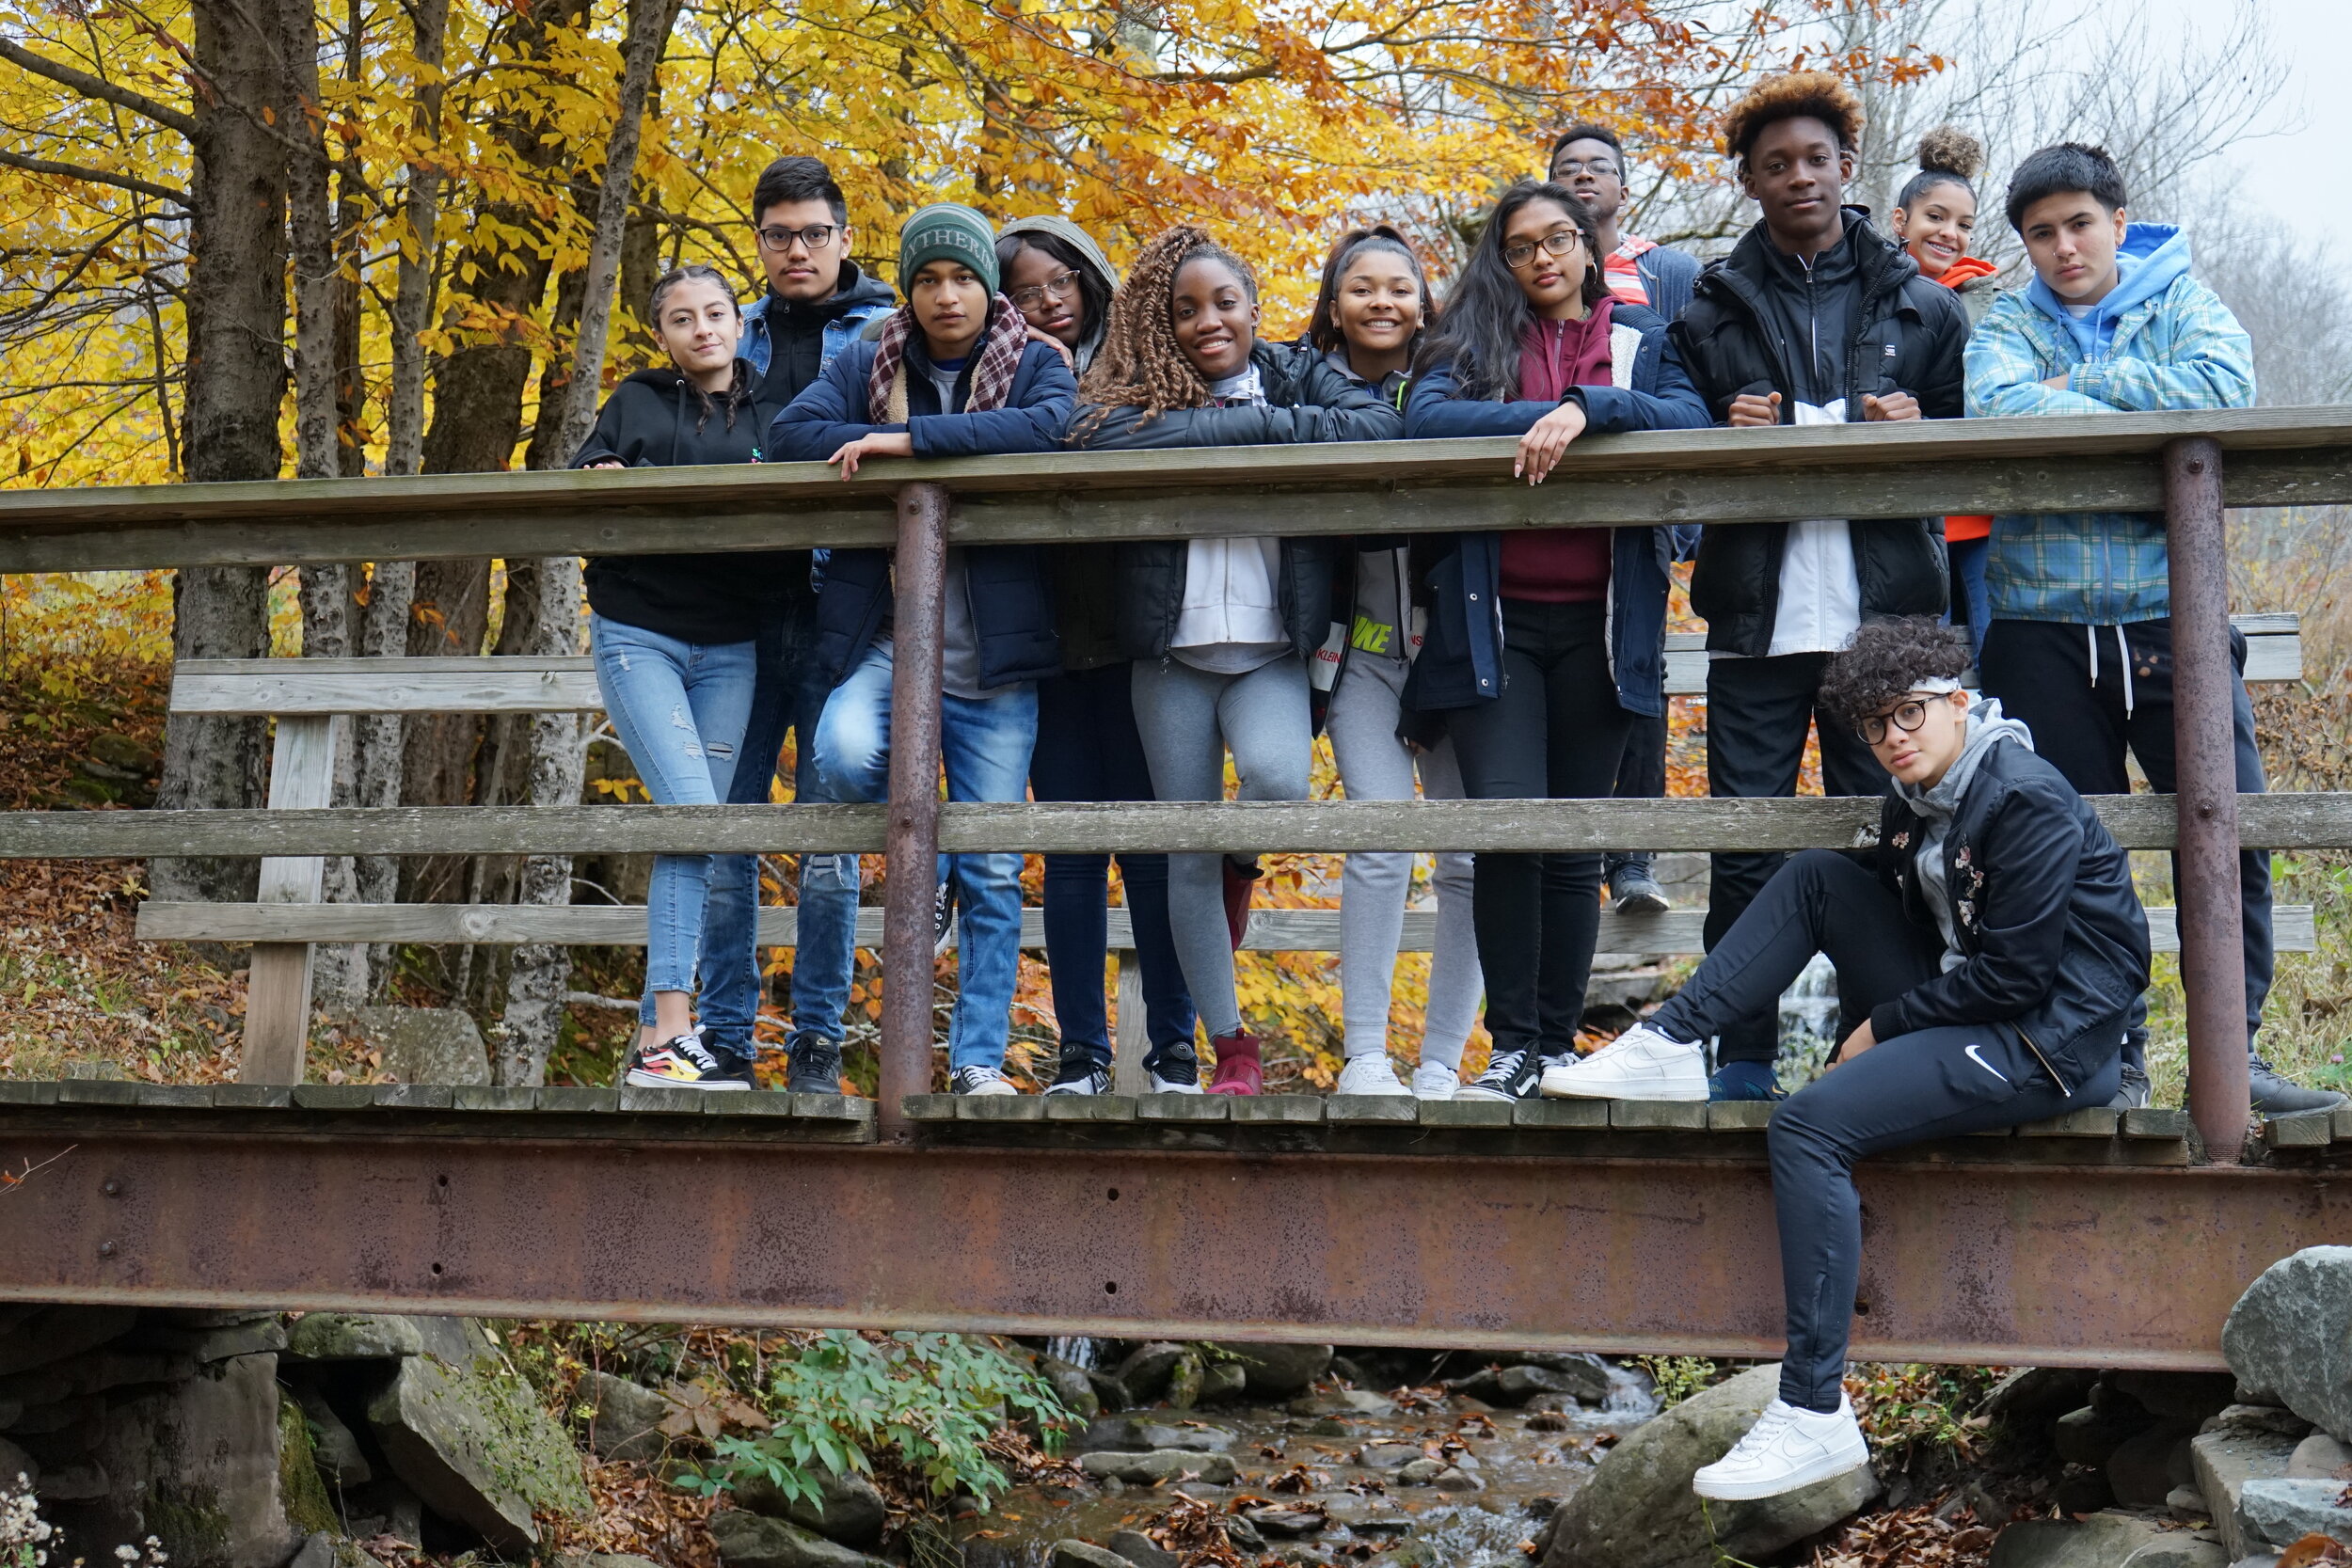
x: 2041, y: 1264
x: 919, y: 574
x: 2213, y: 957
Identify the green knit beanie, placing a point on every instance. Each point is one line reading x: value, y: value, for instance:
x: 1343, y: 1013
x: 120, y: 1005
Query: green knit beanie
x: 947, y: 231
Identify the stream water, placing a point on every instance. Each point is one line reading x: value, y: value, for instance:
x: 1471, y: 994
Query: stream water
x: 1336, y: 1452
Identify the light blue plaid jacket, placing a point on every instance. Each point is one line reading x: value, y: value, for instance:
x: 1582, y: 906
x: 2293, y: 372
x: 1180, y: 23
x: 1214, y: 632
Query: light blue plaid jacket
x: 2178, y: 348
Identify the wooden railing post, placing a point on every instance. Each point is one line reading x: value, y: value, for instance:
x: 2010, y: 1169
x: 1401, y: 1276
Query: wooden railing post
x: 2213, y: 953
x: 278, y: 986
x: 911, y: 842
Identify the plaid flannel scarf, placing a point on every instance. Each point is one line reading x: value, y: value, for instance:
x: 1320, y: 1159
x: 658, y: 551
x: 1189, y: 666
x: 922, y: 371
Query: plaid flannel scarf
x: 998, y: 358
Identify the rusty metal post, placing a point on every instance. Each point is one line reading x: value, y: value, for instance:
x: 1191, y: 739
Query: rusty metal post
x: 2213, y: 950
x: 912, y: 845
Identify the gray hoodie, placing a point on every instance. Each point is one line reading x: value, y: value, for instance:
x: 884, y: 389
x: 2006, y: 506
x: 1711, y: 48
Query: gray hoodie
x: 1940, y: 802
x: 1090, y: 253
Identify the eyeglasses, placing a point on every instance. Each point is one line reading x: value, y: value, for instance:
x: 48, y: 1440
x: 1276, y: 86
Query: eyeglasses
x: 1599, y: 168
x: 1061, y: 286
x: 1557, y: 243
x: 778, y: 238
x: 1907, y: 717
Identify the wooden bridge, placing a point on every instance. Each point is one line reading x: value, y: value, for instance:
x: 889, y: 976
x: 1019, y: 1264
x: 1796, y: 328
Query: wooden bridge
x: 2106, y: 1238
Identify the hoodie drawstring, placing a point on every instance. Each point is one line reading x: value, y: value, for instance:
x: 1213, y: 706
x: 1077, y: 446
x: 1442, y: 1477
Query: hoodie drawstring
x: 2123, y: 656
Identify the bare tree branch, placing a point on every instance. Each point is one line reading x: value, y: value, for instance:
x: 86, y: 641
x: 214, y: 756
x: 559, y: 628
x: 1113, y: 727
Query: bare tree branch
x: 97, y: 87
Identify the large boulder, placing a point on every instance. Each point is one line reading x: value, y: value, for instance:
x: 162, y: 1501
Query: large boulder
x: 425, y: 1045
x: 754, y: 1541
x: 1272, y: 1371
x: 386, y: 1335
x: 847, y: 1508
x: 2101, y: 1541
x: 624, y: 1417
x: 1144, y: 1374
x: 50, y: 1334
x: 2289, y: 1338
x: 1075, y: 1552
x: 1073, y: 1385
x: 196, y: 1463
x: 1160, y: 1464
x: 1638, y: 1510
x: 1513, y: 1387
x: 477, y: 1447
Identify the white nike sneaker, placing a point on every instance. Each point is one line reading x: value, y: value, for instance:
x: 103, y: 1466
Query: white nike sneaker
x: 1369, y: 1074
x: 1788, y: 1448
x: 1640, y: 1064
x: 1436, y: 1080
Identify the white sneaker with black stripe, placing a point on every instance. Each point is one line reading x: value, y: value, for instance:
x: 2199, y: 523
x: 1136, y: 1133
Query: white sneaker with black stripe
x: 1509, y: 1075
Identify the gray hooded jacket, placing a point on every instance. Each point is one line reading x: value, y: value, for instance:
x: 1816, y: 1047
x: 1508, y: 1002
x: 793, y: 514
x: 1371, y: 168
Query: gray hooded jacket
x: 1092, y: 254
x: 1936, y: 805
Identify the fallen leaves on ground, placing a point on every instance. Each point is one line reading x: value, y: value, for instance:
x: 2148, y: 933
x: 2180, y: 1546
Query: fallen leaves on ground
x: 2314, y: 1549
x: 637, y: 1514
x: 1907, y: 1538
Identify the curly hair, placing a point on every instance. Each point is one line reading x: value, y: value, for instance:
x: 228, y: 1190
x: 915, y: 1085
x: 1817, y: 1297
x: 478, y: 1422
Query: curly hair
x: 1139, y: 365
x: 1798, y: 95
x: 1887, y: 658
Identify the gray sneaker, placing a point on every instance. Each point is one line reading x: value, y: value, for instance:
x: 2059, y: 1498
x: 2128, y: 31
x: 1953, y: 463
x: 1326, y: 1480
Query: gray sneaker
x: 2276, y: 1095
x: 1637, y: 892
x: 2132, y: 1093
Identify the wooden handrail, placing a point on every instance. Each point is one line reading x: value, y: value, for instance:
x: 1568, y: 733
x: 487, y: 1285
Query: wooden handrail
x: 2278, y: 457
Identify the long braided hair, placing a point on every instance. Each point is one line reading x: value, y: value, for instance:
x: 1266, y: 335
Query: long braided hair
x: 1139, y: 365
x: 743, y: 390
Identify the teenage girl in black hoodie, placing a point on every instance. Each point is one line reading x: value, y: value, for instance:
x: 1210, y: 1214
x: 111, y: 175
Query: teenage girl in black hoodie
x: 673, y: 638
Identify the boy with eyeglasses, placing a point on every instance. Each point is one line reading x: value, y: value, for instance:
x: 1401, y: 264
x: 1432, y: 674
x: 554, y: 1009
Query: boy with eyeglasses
x: 1986, y: 965
x: 817, y: 302
x: 1815, y: 318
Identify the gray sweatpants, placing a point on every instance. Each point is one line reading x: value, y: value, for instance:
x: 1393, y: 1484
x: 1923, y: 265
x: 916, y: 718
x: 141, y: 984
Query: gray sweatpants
x: 1375, y: 766
x: 1189, y: 720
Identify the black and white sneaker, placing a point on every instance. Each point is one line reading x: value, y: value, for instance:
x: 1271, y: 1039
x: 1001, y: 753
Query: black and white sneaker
x: 813, y: 1064
x: 678, y: 1062
x: 1175, y: 1070
x: 2275, y: 1094
x: 943, y: 916
x: 979, y: 1080
x: 1509, y: 1075
x: 2132, y: 1093
x: 1081, y: 1074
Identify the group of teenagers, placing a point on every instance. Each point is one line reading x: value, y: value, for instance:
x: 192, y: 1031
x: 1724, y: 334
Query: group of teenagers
x: 1991, y: 955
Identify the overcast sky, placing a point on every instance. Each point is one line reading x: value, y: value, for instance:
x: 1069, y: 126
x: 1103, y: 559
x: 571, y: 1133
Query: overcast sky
x: 2304, y: 176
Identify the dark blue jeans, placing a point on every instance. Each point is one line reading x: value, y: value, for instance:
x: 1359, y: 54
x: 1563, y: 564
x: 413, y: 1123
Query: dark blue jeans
x: 1970, y: 609
x: 1941, y: 1083
x: 787, y: 695
x: 1087, y: 750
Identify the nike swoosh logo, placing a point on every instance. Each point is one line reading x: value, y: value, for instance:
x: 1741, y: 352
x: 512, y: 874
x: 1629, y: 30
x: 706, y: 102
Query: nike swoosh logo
x: 1988, y: 1067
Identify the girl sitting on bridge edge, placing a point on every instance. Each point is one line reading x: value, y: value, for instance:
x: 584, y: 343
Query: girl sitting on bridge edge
x: 1985, y: 972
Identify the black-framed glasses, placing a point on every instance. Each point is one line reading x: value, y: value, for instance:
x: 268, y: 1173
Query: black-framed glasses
x: 1556, y: 243
x: 1600, y: 169
x: 1061, y: 286
x: 1906, y: 718
x: 778, y: 237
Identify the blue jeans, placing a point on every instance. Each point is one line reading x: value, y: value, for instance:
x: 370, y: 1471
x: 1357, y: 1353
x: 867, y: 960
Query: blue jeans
x: 985, y: 743
x: 786, y: 696
x: 1970, y: 607
x: 1087, y: 749
x: 679, y: 708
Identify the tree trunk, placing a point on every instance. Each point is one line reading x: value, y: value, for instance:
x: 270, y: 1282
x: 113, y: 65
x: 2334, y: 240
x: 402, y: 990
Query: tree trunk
x: 236, y: 377
x: 541, y: 974
x: 421, y: 214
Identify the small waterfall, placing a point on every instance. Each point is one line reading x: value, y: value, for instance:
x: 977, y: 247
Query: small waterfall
x: 1809, y: 1024
x: 1076, y: 1349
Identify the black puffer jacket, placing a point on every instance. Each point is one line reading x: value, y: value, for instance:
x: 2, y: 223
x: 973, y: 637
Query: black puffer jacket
x: 657, y: 419
x: 1859, y: 320
x: 1307, y: 400
x: 2054, y: 941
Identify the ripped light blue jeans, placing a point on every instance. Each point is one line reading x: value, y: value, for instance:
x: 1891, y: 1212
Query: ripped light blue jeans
x: 680, y: 707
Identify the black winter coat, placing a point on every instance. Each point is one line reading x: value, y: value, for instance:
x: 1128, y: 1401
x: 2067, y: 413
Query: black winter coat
x: 1306, y: 401
x: 1861, y: 320
x: 658, y: 419
x: 2043, y: 905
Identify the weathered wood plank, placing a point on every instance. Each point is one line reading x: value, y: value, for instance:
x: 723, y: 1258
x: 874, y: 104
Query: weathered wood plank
x: 2294, y: 928
x: 278, y: 986
x: 2285, y: 822
x: 2274, y: 652
x: 2276, y: 457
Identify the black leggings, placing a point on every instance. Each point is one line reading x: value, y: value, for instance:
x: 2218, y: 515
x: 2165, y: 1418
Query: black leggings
x: 1556, y: 732
x: 1940, y: 1083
